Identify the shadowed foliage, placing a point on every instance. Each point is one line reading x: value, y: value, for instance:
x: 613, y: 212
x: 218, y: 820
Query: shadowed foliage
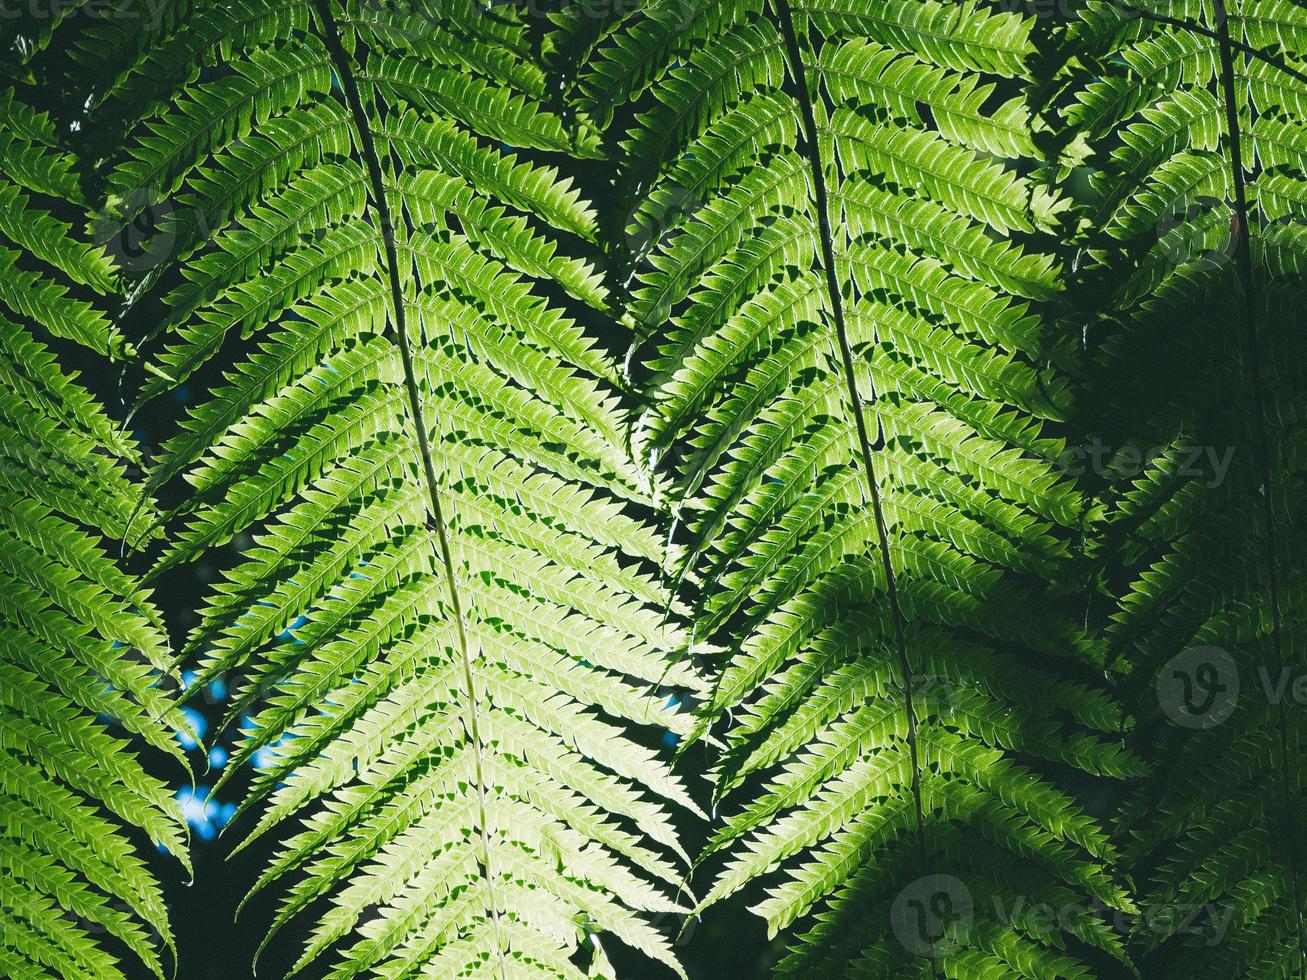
x: 897, y: 406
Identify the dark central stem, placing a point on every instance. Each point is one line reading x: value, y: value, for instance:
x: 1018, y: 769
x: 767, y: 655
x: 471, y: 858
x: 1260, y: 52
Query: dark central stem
x: 368, y: 150
x: 1248, y: 281
x: 813, y: 150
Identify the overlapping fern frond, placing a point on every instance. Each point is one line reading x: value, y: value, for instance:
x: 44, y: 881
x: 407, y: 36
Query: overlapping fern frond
x: 82, y: 650
x: 447, y: 614
x: 1198, y: 401
x: 960, y: 424
x: 847, y: 187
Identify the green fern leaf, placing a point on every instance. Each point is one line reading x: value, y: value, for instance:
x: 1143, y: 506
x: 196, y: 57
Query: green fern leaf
x: 81, y: 644
x: 826, y: 590
x: 1200, y: 540
x: 447, y: 620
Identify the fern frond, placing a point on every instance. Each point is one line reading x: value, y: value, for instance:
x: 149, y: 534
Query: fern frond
x: 452, y: 643
x: 1193, y: 245
x: 81, y: 645
x: 890, y: 596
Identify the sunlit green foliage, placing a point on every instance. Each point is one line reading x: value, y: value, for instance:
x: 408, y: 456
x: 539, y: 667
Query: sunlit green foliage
x: 911, y: 388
